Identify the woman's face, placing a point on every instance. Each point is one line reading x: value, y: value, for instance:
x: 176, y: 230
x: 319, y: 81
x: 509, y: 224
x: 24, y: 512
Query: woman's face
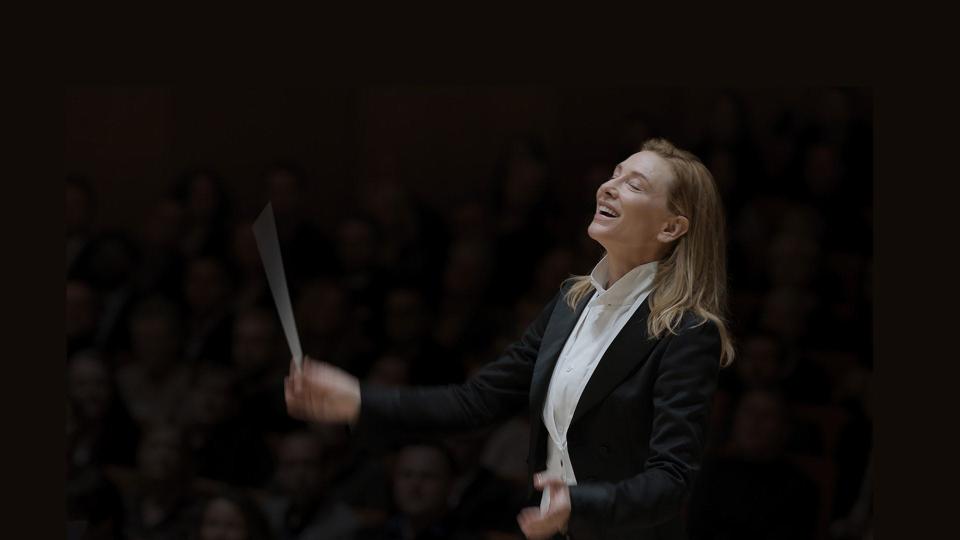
x: 632, y: 206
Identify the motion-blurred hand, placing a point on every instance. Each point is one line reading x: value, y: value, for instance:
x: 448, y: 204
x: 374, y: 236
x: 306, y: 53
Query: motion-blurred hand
x: 538, y: 524
x: 320, y: 392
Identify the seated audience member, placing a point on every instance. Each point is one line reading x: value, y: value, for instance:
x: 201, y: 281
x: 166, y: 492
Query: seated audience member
x: 93, y: 499
x: 208, y: 294
x: 764, y: 364
x: 754, y: 492
x: 479, y: 500
x: 359, y: 268
x: 103, y: 432
x: 207, y: 212
x: 414, y: 245
x: 82, y: 311
x: 223, y: 444
x: 423, y: 476
x: 252, y: 288
x: 407, y: 331
x: 300, y: 505
x: 304, y: 246
x: 464, y: 315
x: 261, y: 361
x: 155, y: 379
x: 160, y: 236
x: 162, y: 503
x: 109, y: 265
x: 364, y: 479
x: 231, y: 516
x: 328, y: 326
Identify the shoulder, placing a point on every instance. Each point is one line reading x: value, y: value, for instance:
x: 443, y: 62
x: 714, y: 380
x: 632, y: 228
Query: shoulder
x: 695, y: 337
x: 691, y: 323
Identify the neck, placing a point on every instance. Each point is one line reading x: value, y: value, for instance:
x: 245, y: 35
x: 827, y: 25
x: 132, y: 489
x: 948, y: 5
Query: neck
x: 617, y: 267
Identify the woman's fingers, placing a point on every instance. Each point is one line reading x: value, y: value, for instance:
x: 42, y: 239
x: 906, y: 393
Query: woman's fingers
x: 541, y: 480
x: 321, y: 392
x: 526, y: 518
x: 533, y: 524
x: 555, y: 485
x: 290, y: 395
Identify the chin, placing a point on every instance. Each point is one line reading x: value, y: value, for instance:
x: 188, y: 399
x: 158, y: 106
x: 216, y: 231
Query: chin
x: 595, y: 231
x: 592, y: 230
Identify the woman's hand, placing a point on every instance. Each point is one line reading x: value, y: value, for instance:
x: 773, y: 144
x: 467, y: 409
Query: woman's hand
x: 322, y: 393
x: 536, y: 523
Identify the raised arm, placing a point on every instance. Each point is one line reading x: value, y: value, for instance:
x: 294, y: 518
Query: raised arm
x: 682, y: 396
x: 324, y: 393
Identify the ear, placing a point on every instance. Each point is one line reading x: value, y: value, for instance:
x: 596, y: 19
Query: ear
x: 673, y: 229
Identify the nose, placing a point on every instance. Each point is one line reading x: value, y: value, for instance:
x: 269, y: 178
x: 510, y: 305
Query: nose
x: 607, y: 189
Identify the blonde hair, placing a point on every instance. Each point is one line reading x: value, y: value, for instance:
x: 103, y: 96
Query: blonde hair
x: 693, y: 275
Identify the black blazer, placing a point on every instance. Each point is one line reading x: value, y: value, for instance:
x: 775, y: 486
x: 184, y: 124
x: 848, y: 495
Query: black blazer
x: 637, y: 436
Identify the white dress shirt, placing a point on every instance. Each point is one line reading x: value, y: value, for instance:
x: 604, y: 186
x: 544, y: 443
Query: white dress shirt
x: 602, y: 319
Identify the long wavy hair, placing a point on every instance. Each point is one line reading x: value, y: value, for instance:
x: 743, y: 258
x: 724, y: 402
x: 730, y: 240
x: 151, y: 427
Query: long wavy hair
x: 693, y: 274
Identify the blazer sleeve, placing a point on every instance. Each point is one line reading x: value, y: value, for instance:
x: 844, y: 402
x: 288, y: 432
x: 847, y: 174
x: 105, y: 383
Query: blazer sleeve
x: 682, y: 396
x: 495, y: 392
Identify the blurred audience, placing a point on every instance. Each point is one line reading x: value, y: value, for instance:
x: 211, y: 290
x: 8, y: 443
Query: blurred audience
x: 207, y: 290
x: 224, y: 446
x: 102, y: 430
x: 82, y: 311
x: 162, y: 503
x: 231, y: 516
x: 423, y: 477
x: 207, y: 213
x: 300, y: 504
x: 260, y: 362
x: 479, y: 500
x: 754, y: 491
x: 154, y: 378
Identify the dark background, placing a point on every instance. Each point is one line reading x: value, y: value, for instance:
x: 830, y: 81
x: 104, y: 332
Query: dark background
x: 423, y: 227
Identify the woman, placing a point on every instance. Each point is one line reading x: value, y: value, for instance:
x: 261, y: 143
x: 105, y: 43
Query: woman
x: 619, y: 369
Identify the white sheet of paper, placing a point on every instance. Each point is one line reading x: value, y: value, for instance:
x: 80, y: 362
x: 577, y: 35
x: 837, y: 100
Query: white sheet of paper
x: 265, y: 231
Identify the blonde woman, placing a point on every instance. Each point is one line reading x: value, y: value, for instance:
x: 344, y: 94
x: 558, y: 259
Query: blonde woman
x: 618, y: 370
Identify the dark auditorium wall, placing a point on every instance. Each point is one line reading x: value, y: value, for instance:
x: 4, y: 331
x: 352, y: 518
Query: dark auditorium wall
x: 442, y: 141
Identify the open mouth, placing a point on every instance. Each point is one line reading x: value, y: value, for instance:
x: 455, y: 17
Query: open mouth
x: 606, y: 211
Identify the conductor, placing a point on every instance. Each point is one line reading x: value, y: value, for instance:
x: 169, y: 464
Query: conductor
x: 618, y: 370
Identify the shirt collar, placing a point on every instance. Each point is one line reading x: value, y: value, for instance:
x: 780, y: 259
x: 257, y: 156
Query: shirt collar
x: 626, y: 290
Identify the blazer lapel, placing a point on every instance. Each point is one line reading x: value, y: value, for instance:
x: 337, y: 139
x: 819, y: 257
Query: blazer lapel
x: 555, y: 337
x: 627, y: 351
